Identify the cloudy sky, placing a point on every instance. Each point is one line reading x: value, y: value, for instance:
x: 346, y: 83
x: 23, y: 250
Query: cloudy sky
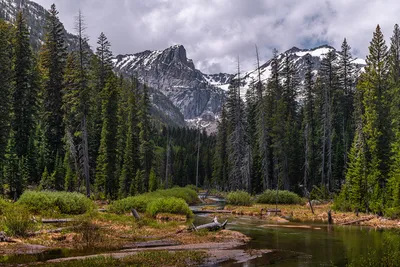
x: 215, y: 32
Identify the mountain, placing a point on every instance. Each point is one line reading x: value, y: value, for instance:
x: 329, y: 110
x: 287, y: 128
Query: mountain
x: 180, y: 93
x: 172, y: 73
x: 298, y: 57
x: 35, y: 16
x: 163, y: 109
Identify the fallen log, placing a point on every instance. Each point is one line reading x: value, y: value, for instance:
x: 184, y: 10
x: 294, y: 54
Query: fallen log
x: 359, y: 220
x: 57, y: 220
x: 4, y: 238
x: 152, y: 244
x: 215, y: 225
x: 211, y: 211
x: 135, y: 214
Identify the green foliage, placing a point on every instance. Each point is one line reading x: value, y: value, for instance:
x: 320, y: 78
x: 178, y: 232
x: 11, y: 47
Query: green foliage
x: 284, y: 197
x: 239, y: 198
x: 16, y: 220
x: 3, y: 206
x: 320, y: 193
x: 62, y: 202
x: 138, y: 203
x: 168, y: 205
x: 153, y: 181
x: 141, y: 202
x: 145, y: 258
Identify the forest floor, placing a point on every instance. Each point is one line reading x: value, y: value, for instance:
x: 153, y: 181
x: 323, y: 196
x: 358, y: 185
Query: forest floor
x: 302, y: 213
x: 117, y: 237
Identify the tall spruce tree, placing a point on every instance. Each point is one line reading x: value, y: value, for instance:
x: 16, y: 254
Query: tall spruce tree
x: 6, y: 76
x: 394, y: 79
x: 53, y: 58
x: 373, y: 89
x: 106, y: 180
x: 146, y: 144
x: 131, y: 152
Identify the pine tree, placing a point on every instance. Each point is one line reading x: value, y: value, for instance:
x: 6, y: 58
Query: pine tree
x: 237, y: 150
x: 328, y: 76
x: 5, y: 87
x: 309, y: 127
x: 344, y: 109
x: 263, y: 130
x: 47, y: 182
x: 26, y: 89
x: 53, y: 58
x: 153, y: 182
x: 394, y: 79
x: 146, y: 144
x: 220, y: 174
x: 372, y: 88
x: 131, y: 160
x: 106, y: 180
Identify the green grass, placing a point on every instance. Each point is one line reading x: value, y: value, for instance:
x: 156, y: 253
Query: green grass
x: 42, y: 202
x: 147, y: 258
x: 284, y: 197
x: 239, y: 198
x: 3, y: 205
x: 168, y: 205
x: 16, y: 221
x: 182, y: 197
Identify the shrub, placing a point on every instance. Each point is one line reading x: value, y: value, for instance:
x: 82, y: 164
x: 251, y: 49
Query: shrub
x: 193, y: 187
x: 138, y: 203
x: 168, y: 205
x: 59, y: 202
x: 393, y: 213
x: 141, y: 202
x: 239, y: 198
x: 3, y: 205
x: 17, y: 221
x: 284, y: 197
x: 185, y: 193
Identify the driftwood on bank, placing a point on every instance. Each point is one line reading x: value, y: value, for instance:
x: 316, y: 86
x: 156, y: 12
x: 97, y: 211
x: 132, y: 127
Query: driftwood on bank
x: 152, y: 244
x: 4, y: 238
x: 215, y: 225
x: 211, y: 211
x: 135, y: 214
x: 359, y: 220
x: 57, y: 220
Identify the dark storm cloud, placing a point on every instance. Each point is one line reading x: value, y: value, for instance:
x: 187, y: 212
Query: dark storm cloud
x: 216, y: 32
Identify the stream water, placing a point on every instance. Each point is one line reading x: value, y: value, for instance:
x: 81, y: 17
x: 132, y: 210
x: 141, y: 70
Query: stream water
x: 292, y: 244
x: 304, y: 244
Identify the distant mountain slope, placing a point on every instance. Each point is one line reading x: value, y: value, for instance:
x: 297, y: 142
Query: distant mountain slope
x: 173, y: 74
x: 298, y: 57
x: 35, y: 15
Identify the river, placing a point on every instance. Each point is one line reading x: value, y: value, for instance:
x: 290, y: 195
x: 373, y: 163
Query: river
x: 303, y: 244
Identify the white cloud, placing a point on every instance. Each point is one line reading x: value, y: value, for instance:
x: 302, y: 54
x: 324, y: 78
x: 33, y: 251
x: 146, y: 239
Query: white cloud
x: 215, y: 32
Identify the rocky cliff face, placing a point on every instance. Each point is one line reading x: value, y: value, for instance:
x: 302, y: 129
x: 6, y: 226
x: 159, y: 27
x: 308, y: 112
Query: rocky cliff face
x: 163, y: 109
x: 35, y: 16
x: 173, y: 74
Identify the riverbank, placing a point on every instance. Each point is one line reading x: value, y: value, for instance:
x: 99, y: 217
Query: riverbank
x: 303, y: 213
x: 121, y: 240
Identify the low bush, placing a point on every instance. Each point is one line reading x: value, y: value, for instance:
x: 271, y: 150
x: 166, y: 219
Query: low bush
x: 239, y: 198
x: 3, y: 205
x: 16, y: 221
x: 141, y: 202
x: 168, y: 205
x: 187, y: 194
x: 138, y: 203
x: 56, y: 202
x: 284, y: 197
x: 392, y: 213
